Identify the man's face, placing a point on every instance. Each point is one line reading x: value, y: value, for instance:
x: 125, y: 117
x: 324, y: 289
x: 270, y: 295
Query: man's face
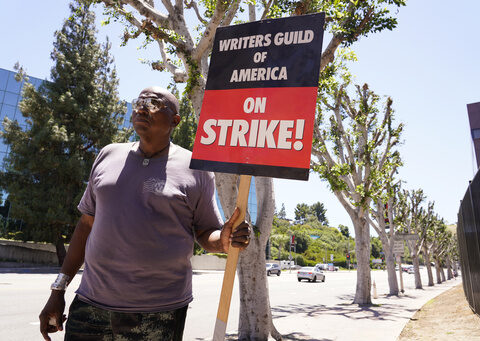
x: 154, y: 114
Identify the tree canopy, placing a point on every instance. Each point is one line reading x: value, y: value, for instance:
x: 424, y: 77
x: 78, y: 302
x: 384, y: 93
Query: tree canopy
x: 68, y: 120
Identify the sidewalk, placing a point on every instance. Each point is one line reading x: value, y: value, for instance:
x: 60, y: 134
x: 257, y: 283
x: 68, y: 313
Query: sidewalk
x: 384, y: 320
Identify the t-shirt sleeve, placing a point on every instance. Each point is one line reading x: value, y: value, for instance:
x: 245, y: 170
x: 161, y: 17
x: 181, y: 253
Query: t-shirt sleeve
x: 87, y: 203
x: 207, y: 215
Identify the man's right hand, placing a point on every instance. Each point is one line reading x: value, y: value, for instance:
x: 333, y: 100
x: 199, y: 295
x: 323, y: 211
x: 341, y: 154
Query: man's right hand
x: 53, y: 310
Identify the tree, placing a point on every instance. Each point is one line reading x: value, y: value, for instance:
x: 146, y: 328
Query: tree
x: 282, y: 214
x: 68, y: 120
x: 184, y: 133
x: 376, y: 247
x: 187, y: 60
x: 414, y: 219
x: 319, y: 210
x: 344, y: 230
x: 354, y: 148
x: 384, y: 216
x: 301, y: 212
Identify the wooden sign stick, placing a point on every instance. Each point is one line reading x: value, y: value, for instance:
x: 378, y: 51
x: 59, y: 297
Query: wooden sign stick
x: 231, y: 266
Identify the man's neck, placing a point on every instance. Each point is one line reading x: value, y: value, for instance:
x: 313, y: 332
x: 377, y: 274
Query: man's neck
x: 156, y: 148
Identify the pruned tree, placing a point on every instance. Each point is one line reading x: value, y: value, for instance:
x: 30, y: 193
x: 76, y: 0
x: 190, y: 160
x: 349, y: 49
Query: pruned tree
x: 186, y: 58
x: 413, y: 219
x: 68, y: 120
x: 384, y: 214
x: 440, y: 240
x: 354, y: 146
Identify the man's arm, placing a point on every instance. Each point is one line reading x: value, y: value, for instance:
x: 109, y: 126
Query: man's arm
x: 213, y: 240
x: 72, y: 263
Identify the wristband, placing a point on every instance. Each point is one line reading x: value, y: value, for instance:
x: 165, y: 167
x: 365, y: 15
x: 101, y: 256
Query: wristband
x: 61, y: 282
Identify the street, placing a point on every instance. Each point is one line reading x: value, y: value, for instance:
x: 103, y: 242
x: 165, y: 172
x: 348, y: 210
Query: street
x: 296, y: 306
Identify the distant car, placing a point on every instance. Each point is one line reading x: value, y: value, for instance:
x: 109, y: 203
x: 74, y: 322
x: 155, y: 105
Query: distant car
x: 273, y: 268
x: 410, y: 270
x: 322, y: 266
x: 311, y: 274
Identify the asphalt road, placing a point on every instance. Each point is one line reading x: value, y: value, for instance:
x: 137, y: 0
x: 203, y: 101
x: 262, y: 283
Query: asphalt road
x: 22, y: 296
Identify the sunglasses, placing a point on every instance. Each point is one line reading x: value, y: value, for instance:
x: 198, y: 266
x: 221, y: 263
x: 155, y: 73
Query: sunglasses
x: 150, y: 103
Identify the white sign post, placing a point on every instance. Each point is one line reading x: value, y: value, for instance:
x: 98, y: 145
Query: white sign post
x: 398, y: 250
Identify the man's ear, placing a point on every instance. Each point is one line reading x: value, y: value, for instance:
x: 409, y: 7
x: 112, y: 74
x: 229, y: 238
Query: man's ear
x: 176, y: 120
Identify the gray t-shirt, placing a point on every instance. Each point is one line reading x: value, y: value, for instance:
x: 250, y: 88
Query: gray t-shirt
x: 137, y: 256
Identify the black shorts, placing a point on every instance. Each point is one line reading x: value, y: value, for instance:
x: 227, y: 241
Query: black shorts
x: 89, y: 323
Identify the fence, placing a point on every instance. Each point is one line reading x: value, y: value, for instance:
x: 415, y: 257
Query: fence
x: 468, y: 234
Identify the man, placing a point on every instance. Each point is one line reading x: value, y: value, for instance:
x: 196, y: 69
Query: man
x: 141, y: 212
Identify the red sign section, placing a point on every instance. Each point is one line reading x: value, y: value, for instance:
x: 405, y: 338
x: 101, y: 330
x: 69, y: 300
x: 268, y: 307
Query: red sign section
x: 260, y: 126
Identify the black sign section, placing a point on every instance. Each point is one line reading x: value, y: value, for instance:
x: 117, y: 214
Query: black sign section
x: 267, y: 54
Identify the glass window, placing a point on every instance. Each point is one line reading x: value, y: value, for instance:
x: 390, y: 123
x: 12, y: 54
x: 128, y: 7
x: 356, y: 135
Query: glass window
x: 12, y: 84
x: 10, y: 98
x: 8, y: 111
x: 2, y: 93
x: 36, y: 82
x: 476, y: 134
x: 3, y: 79
x: 19, y: 117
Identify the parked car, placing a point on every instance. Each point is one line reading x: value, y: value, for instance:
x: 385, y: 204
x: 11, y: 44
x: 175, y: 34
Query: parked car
x: 311, y: 274
x: 410, y: 270
x: 273, y: 268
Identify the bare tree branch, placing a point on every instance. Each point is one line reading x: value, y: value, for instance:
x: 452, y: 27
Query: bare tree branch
x: 209, y: 33
x: 193, y: 4
x: 266, y: 8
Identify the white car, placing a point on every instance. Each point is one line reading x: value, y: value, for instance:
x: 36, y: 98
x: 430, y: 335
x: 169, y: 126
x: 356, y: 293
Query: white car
x: 311, y: 274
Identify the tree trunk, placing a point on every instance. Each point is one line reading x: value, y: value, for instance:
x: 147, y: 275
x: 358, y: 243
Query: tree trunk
x: 426, y: 258
x: 60, y: 249
x: 390, y: 260
x: 442, y: 274
x: 362, y: 252
x: 416, y: 269
x: 255, y: 320
x: 449, y: 269
x: 392, y: 275
x: 437, y: 268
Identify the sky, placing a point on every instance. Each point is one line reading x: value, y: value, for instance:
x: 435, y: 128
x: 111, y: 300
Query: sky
x: 429, y: 65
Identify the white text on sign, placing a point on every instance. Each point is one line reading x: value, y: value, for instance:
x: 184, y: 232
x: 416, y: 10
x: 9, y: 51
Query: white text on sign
x: 260, y: 133
x: 265, y: 40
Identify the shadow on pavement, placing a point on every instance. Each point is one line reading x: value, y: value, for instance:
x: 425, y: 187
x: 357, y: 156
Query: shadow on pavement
x: 384, y: 312
x: 296, y: 336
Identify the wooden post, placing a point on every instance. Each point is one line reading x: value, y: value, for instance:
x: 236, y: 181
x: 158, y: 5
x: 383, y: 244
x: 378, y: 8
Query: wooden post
x: 231, y: 266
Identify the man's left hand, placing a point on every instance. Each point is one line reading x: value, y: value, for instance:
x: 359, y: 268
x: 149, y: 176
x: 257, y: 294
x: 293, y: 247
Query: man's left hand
x: 239, y: 238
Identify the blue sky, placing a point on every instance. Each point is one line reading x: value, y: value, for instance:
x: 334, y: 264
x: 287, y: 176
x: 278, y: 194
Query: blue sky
x: 428, y: 65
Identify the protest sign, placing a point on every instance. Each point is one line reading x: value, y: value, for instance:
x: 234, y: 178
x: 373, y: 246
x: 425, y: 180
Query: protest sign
x: 259, y: 104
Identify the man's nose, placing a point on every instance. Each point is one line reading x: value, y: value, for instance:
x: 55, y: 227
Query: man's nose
x: 142, y: 110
